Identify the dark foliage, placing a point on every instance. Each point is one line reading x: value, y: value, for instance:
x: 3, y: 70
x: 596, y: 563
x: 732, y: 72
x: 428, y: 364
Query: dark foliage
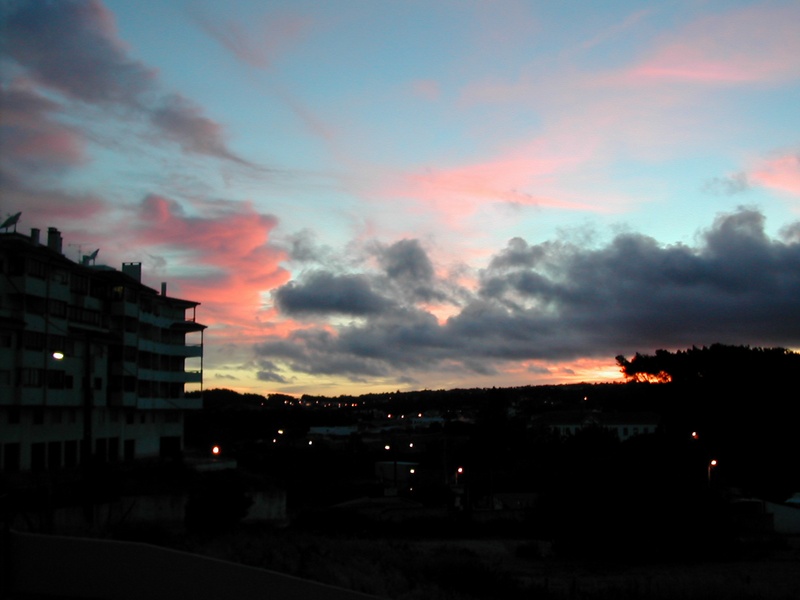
x: 718, y: 364
x: 218, y: 502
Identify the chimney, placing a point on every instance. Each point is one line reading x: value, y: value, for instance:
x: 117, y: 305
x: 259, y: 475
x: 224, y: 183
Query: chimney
x: 163, y: 288
x: 133, y: 269
x: 35, y: 235
x: 54, y: 239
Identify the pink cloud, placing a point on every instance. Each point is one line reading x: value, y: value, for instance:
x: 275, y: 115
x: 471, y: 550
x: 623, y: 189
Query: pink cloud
x: 231, y: 252
x: 517, y: 178
x: 30, y: 138
x: 781, y: 173
x: 44, y: 208
x: 754, y: 44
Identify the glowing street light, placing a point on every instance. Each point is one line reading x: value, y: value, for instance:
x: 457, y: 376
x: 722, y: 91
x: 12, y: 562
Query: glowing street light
x: 58, y: 355
x: 215, y: 450
x: 459, y: 471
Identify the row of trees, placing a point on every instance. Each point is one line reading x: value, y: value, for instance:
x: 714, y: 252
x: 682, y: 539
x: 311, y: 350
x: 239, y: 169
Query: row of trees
x: 717, y: 364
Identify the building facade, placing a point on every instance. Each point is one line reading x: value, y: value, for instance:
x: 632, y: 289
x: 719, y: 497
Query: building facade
x: 623, y: 425
x: 94, y: 365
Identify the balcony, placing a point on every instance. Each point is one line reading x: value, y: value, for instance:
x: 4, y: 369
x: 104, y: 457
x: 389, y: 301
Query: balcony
x: 171, y: 376
x: 169, y: 403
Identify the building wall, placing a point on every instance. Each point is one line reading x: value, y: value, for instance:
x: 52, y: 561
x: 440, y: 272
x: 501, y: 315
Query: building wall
x: 119, y: 376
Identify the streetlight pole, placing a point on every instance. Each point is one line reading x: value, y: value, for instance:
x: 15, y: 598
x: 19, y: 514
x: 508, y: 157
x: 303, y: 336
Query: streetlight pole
x: 712, y: 463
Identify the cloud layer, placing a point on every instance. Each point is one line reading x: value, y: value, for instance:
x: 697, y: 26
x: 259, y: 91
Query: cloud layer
x: 71, y: 47
x: 433, y: 213
x: 552, y: 301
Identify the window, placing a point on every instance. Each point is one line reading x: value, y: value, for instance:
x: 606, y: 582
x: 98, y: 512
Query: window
x: 113, y: 449
x: 38, y: 457
x: 129, y: 450
x: 54, y: 455
x: 101, y: 450
x: 33, y: 340
x: 61, y: 343
x: 71, y: 453
x: 58, y: 308
x: 55, y: 380
x: 35, y: 305
x: 11, y: 458
x: 31, y: 377
x: 99, y: 290
x: 79, y: 284
x: 38, y: 416
x: 36, y: 268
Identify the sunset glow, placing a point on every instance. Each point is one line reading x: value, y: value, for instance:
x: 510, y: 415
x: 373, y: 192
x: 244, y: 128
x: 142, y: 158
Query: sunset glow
x: 373, y: 196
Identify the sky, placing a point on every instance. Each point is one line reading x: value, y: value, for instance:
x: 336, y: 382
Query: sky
x: 375, y: 195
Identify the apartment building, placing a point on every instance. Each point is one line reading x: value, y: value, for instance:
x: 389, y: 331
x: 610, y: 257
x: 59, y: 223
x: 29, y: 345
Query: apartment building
x: 94, y: 365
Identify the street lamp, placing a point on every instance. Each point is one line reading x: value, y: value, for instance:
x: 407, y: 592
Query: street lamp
x: 459, y: 471
x: 712, y: 463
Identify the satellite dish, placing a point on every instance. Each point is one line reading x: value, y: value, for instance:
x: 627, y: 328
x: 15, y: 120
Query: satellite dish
x: 12, y: 220
x: 87, y: 258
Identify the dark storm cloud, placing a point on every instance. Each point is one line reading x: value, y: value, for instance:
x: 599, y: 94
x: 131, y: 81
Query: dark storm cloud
x: 315, y: 352
x: 325, y: 293
x: 410, y: 271
x: 406, y: 261
x: 71, y: 46
x: 561, y: 301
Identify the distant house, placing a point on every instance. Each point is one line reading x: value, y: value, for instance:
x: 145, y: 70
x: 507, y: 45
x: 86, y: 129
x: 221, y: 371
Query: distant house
x: 623, y: 425
x: 93, y: 363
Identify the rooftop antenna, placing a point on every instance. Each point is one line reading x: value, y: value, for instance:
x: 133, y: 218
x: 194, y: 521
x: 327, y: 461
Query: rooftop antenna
x: 79, y: 247
x: 12, y: 220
